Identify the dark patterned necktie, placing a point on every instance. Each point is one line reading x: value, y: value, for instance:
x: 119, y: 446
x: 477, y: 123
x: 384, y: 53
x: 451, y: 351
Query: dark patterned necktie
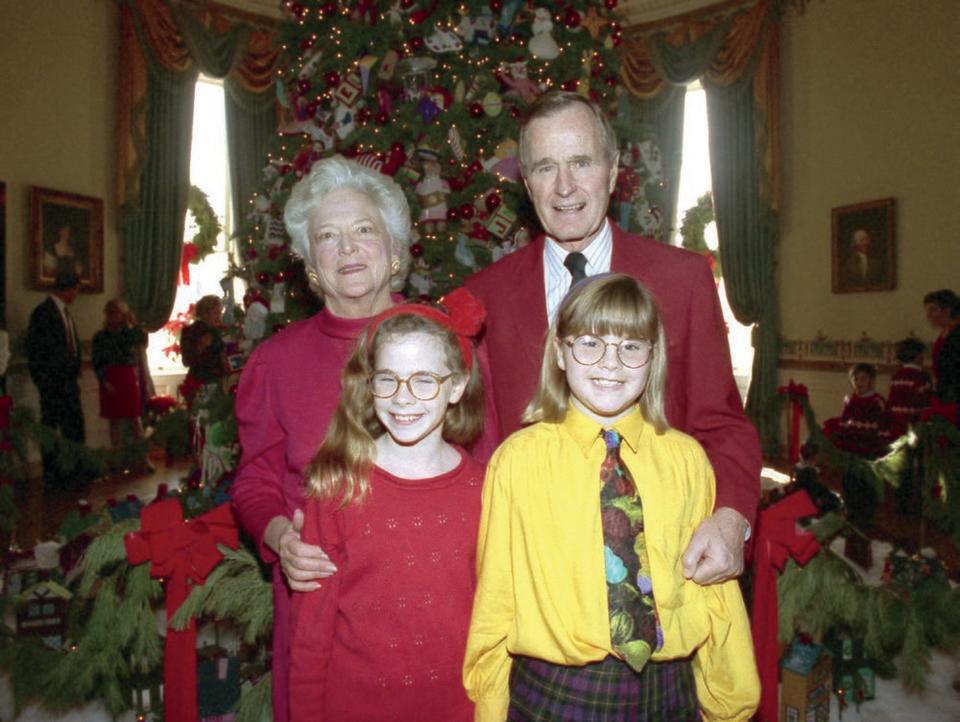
x: 576, y: 263
x: 634, y: 626
x: 71, y: 336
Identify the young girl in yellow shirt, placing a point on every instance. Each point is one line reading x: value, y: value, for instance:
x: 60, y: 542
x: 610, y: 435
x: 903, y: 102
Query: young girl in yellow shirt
x: 582, y: 611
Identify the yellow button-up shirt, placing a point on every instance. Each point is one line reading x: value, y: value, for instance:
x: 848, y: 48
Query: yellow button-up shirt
x: 542, y: 588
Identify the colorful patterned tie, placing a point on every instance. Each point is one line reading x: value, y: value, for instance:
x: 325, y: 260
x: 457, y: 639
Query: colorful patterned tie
x: 634, y: 626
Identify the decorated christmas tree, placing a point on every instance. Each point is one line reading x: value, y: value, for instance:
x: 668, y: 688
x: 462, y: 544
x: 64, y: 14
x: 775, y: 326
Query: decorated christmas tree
x: 430, y: 93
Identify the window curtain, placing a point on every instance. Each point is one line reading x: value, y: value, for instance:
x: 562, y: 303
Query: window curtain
x: 163, y: 49
x: 733, y: 50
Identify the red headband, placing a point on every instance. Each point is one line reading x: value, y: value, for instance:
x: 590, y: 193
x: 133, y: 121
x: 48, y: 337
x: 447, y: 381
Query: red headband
x: 459, y: 310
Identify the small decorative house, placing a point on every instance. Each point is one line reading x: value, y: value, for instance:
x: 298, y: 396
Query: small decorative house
x: 805, y: 683
x: 42, y: 612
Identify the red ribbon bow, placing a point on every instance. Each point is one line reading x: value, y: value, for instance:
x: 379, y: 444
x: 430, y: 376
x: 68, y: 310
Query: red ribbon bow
x: 777, y: 539
x: 795, y: 392
x: 460, y: 311
x: 183, y: 553
x: 188, y: 255
x: 944, y: 411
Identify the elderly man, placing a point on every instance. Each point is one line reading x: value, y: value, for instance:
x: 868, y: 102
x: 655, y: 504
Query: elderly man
x: 568, y: 155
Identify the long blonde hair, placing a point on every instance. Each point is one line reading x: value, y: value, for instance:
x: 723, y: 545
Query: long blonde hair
x: 341, y: 467
x: 615, y: 304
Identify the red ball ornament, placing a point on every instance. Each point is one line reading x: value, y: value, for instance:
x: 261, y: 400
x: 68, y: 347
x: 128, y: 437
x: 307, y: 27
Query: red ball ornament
x: 453, y: 214
x: 279, y: 276
x: 612, y: 80
x: 406, y: 4
x: 332, y: 79
x: 570, y: 85
x: 466, y: 211
x: 303, y: 86
x: 416, y: 42
x: 493, y: 201
x: 476, y: 110
x: 610, y: 4
x: 298, y: 11
x: 616, y: 39
x: 476, y: 166
x: 515, y: 111
x: 496, y: 5
x: 572, y: 19
x: 263, y: 278
x: 306, y: 43
x: 382, y: 118
x: 364, y: 115
x: 480, y: 233
x: 274, y: 251
x: 416, y: 250
x: 329, y: 8
x: 251, y: 254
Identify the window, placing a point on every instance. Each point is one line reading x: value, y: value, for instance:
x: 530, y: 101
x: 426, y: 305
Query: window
x: 209, y: 171
x: 694, y: 182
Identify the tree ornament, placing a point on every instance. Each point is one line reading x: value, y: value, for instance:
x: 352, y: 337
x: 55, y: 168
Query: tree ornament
x: 263, y: 278
x: 251, y: 254
x: 332, y: 79
x: 476, y: 110
x: 466, y: 211
x: 382, y: 118
x: 542, y: 45
x: 279, y: 277
x: 453, y: 214
x: 496, y: 5
x: 298, y: 11
x: 416, y: 250
x: 572, y: 19
x: 610, y: 4
x: 417, y: 43
x: 406, y: 4
x: 303, y: 86
x: 364, y: 115
x: 492, y: 201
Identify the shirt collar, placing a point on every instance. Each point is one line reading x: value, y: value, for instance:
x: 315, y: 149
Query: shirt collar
x: 595, y: 253
x: 586, y: 432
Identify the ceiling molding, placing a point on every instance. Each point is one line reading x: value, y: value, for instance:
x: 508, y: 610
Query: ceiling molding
x: 641, y: 12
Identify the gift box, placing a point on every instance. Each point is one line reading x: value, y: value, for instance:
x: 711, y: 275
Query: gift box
x: 805, y: 683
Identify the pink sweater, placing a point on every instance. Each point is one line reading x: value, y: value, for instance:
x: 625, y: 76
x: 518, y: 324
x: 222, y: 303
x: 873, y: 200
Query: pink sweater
x: 383, y: 639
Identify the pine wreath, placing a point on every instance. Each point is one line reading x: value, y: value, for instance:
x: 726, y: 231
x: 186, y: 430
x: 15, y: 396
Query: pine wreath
x: 208, y: 225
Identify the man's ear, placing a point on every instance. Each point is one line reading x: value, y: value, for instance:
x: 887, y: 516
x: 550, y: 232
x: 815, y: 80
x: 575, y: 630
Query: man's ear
x: 614, y: 168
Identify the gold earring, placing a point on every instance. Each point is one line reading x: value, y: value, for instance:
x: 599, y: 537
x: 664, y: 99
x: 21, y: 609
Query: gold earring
x: 313, y: 277
x: 395, y: 266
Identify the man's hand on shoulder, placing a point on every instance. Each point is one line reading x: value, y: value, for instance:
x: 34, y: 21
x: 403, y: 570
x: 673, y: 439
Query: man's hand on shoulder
x: 715, y: 553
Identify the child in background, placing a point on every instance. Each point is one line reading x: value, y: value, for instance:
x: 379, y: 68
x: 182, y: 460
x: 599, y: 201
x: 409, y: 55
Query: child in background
x: 581, y: 600
x: 864, y: 424
x: 395, y: 502
x: 910, y: 386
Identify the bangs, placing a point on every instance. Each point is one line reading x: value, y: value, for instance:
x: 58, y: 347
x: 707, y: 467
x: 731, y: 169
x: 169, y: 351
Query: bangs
x: 619, y: 307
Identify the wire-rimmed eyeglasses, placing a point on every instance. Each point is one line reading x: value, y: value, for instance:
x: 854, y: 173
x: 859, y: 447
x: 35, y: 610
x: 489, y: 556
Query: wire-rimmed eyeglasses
x: 588, y: 350
x: 423, y: 385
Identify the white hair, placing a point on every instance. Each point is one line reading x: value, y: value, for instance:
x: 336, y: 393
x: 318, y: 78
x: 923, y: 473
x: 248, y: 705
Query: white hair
x: 338, y: 173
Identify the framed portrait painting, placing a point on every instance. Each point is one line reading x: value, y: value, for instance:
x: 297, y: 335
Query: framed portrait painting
x: 862, y: 247
x: 66, y: 234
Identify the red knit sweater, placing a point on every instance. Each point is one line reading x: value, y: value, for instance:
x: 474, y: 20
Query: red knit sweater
x: 383, y: 639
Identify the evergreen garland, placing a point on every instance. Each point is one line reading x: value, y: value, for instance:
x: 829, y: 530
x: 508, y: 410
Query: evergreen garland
x: 208, y: 225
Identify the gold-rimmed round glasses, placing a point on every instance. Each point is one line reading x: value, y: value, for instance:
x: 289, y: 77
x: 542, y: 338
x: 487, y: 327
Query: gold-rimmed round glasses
x: 423, y: 385
x: 632, y: 352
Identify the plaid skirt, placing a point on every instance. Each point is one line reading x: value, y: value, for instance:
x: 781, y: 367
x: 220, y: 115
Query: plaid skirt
x: 605, y: 691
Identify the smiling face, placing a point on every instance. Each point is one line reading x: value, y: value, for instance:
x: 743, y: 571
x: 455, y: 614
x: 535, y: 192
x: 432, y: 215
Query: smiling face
x: 607, y: 390
x: 351, y: 254
x: 407, y: 419
x: 568, y: 176
x: 862, y: 382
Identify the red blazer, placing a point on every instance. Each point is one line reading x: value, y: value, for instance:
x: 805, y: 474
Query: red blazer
x: 702, y: 398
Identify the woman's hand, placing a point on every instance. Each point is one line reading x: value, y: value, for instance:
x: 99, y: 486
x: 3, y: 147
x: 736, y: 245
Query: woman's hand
x: 302, y: 564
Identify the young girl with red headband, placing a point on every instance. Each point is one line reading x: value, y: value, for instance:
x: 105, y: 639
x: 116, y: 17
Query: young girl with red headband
x: 395, y: 502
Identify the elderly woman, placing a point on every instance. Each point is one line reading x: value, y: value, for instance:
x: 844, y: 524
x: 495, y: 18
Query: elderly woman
x: 351, y: 227
x: 943, y: 312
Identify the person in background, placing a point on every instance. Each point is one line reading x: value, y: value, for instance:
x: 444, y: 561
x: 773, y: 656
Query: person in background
x: 53, y: 357
x: 586, y: 513
x: 569, y: 158
x: 202, y: 347
x: 943, y: 312
x: 863, y: 426
x: 910, y: 386
x: 116, y: 352
x: 395, y: 501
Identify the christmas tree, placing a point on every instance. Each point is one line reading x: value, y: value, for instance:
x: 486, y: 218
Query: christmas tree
x: 430, y: 93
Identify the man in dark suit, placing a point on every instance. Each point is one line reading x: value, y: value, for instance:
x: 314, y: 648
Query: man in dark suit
x: 53, y: 356
x: 568, y: 155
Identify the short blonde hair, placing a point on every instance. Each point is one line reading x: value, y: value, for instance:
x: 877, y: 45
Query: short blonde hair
x: 615, y: 304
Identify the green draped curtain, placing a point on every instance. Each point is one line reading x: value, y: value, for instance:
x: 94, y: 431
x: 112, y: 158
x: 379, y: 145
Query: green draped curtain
x: 733, y: 50
x: 163, y: 49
